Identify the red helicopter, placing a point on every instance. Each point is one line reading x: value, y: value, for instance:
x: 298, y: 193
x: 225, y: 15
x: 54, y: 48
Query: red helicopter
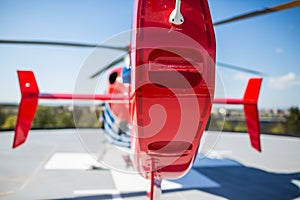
x: 160, y: 104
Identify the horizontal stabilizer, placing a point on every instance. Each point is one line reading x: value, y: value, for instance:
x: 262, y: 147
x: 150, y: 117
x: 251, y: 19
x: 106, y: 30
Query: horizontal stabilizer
x: 250, y: 109
x: 29, y: 102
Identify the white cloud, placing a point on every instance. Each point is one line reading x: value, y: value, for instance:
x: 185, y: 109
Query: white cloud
x: 243, y: 76
x: 292, y: 27
x: 278, y: 50
x: 285, y: 81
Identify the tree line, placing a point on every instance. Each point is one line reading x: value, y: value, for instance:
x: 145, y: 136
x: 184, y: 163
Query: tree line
x: 53, y: 117
x: 71, y: 117
x: 290, y: 124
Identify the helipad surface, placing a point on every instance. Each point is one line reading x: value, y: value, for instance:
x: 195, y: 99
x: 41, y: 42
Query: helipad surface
x: 55, y: 164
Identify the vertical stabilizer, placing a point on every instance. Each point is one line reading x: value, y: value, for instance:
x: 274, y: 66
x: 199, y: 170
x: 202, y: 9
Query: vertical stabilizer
x: 27, y: 107
x: 251, y: 111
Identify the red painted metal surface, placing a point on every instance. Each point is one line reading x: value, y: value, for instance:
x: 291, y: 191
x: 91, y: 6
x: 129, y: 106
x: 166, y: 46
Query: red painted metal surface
x: 27, y: 107
x: 116, y: 88
x: 170, y: 97
x: 228, y: 101
x: 29, y: 102
x: 151, y: 195
x: 101, y: 97
x: 250, y: 109
x: 172, y: 85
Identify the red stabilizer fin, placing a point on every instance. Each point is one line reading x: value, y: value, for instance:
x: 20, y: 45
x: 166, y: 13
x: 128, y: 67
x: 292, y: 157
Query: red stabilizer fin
x: 27, y: 107
x: 251, y: 111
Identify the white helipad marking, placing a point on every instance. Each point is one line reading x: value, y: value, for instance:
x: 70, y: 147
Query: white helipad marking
x: 114, y: 193
x: 296, y: 182
x: 216, y: 158
x: 193, y: 179
x: 71, y: 161
x: 129, y: 182
x: 218, y: 154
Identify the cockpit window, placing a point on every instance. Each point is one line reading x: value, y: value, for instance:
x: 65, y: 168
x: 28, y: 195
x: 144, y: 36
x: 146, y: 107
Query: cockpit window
x: 113, y: 77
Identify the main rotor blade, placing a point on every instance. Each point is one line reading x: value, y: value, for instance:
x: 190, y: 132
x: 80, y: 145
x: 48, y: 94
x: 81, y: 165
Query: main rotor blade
x: 276, y: 8
x: 56, y: 43
x: 240, y: 69
x: 113, y: 63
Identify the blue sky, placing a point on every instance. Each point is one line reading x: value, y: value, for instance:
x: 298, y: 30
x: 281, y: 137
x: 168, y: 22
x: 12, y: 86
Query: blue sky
x: 268, y: 43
